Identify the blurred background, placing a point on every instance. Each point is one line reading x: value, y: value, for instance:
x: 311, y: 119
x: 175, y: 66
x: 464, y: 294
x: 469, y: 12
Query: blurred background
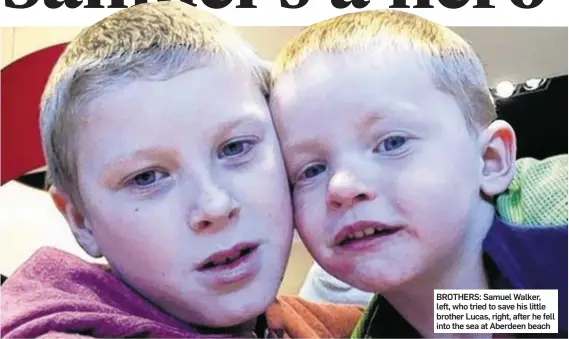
x: 527, y: 70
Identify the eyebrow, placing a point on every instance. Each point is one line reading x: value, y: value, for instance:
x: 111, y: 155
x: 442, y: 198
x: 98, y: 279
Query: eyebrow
x: 376, y: 115
x: 224, y: 130
x: 305, y: 145
x: 151, y: 153
x: 233, y: 124
x: 370, y: 119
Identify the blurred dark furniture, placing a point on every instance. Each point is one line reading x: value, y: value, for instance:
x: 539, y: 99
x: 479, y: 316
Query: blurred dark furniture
x: 539, y: 119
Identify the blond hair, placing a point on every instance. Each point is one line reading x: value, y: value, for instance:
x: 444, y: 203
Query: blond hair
x: 153, y: 41
x: 452, y: 63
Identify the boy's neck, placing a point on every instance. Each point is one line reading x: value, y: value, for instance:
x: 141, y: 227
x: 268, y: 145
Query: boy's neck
x: 417, y: 305
x: 248, y: 328
x: 245, y: 330
x: 415, y: 301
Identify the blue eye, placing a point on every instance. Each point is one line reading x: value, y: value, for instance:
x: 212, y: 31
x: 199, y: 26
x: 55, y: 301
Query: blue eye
x: 235, y: 149
x: 391, y: 144
x: 312, y: 171
x: 148, y: 178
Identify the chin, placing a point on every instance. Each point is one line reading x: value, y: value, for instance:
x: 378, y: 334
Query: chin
x: 233, y: 319
x: 397, y: 281
x: 374, y: 280
x: 239, y: 314
x: 243, y: 307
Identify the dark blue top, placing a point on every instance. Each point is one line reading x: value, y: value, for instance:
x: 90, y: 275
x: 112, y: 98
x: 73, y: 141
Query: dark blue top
x: 515, y: 257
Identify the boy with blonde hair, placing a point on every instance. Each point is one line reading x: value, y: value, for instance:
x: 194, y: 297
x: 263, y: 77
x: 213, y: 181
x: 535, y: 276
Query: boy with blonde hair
x: 164, y: 161
x: 395, y: 156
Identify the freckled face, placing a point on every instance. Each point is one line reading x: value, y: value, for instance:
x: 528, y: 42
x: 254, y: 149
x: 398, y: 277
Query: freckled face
x: 173, y: 172
x: 376, y: 145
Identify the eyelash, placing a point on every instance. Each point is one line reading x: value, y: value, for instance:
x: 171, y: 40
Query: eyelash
x: 158, y: 176
x: 247, y: 145
x: 397, y: 150
x: 376, y: 149
x: 299, y: 178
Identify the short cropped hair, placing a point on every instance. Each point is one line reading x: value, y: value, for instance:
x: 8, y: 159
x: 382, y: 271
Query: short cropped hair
x: 451, y: 61
x: 152, y: 41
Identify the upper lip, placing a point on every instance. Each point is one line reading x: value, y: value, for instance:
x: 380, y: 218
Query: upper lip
x: 345, y: 232
x: 222, y: 255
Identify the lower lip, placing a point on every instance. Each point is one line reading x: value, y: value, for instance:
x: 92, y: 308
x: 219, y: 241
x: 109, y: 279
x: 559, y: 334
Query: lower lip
x: 238, y: 271
x: 367, y: 243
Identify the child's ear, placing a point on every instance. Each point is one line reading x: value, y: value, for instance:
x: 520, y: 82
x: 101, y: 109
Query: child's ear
x: 77, y: 222
x: 498, y: 142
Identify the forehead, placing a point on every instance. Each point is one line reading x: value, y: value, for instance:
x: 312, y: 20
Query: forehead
x: 187, y: 109
x: 383, y: 67
x: 341, y: 90
x: 362, y: 80
x: 216, y: 92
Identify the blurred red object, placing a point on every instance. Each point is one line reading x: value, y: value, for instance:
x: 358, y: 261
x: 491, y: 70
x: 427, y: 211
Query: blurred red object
x: 22, y: 84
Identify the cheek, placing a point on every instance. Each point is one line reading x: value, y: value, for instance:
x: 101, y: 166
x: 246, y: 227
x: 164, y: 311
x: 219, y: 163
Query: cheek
x: 261, y: 188
x: 121, y: 213
x: 310, y: 215
x: 425, y: 186
x: 437, y: 196
x: 146, y: 249
x: 127, y: 229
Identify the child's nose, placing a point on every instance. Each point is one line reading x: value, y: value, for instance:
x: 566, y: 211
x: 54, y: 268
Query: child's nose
x: 215, y: 209
x: 345, y: 190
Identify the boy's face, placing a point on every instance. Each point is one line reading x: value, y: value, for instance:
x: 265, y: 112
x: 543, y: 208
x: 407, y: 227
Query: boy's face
x: 185, y: 194
x: 386, y: 175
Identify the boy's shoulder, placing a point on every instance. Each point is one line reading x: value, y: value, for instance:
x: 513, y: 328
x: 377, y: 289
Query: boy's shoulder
x: 530, y: 257
x: 56, y: 292
x: 538, y: 193
x: 303, y: 319
x: 48, y: 262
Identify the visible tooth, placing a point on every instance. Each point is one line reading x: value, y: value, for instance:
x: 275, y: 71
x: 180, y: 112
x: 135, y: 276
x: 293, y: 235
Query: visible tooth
x: 369, y: 231
x: 351, y: 236
x: 235, y: 256
x: 359, y: 234
x: 378, y: 229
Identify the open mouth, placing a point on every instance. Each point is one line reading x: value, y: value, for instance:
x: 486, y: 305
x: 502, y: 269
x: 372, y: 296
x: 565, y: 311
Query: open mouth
x: 228, y: 259
x: 359, y: 232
